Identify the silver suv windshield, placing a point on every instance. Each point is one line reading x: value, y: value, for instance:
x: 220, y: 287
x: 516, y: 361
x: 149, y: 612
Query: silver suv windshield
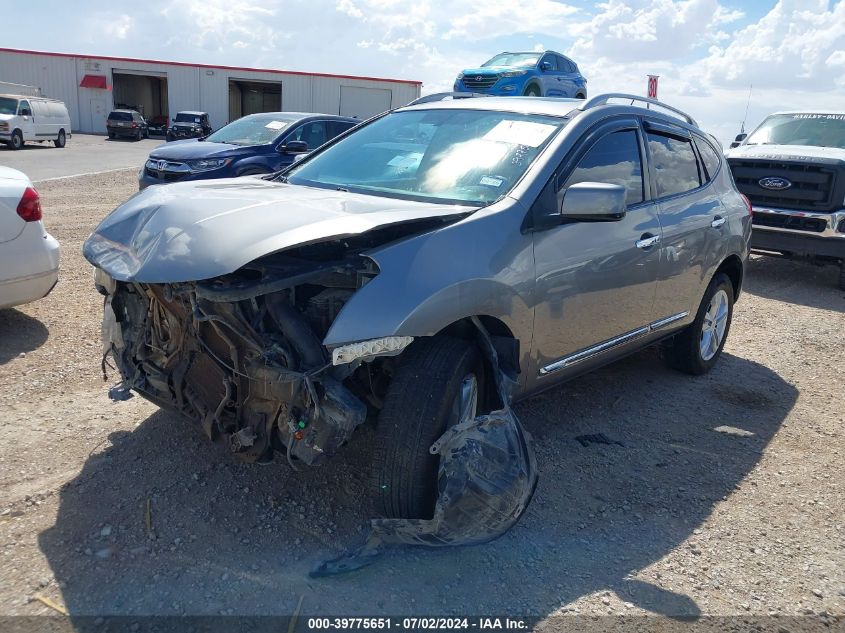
x: 471, y: 157
x: 806, y: 128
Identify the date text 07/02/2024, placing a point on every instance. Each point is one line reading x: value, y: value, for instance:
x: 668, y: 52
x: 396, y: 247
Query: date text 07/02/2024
x: 418, y: 624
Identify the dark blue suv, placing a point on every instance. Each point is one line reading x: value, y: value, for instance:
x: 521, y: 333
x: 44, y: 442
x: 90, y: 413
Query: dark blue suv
x: 254, y: 144
x: 547, y: 74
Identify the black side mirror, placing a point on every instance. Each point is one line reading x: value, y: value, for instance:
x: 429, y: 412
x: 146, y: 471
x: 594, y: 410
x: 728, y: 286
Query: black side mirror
x: 594, y: 202
x: 740, y: 138
x: 26, y: 112
x: 545, y: 66
x: 294, y: 147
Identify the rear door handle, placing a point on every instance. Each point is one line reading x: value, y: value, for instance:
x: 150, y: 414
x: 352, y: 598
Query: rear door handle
x: 717, y: 222
x: 647, y: 240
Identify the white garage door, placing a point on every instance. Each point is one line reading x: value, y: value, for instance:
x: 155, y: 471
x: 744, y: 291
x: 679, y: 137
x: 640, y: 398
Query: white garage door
x: 363, y: 102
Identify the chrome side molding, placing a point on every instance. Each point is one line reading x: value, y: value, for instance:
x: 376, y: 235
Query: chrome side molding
x: 583, y: 355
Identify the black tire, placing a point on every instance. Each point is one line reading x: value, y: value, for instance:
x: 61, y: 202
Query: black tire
x: 168, y: 137
x: 842, y: 275
x: 684, y: 351
x: 580, y: 96
x: 17, y: 140
x: 61, y: 139
x: 417, y: 409
x: 111, y: 135
x: 532, y: 91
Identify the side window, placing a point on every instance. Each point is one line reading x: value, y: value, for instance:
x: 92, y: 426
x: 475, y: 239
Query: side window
x: 24, y: 109
x: 551, y: 60
x: 314, y: 134
x: 710, y: 156
x: 613, y: 159
x: 565, y: 65
x: 338, y: 127
x: 674, y: 163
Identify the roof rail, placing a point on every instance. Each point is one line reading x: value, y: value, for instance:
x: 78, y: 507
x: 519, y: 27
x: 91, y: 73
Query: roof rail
x: 603, y: 99
x: 443, y: 96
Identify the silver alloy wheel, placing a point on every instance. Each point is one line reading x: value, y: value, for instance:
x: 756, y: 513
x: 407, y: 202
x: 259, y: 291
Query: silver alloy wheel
x: 714, y: 325
x: 465, y: 404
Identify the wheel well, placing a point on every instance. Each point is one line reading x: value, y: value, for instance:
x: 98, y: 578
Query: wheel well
x: 732, y: 267
x: 532, y: 84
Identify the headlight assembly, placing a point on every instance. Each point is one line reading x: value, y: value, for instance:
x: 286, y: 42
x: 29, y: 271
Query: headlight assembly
x: 207, y: 164
x: 514, y: 73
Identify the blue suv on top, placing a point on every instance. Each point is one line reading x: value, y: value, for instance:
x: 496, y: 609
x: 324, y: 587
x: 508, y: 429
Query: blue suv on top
x: 547, y: 74
x: 254, y: 144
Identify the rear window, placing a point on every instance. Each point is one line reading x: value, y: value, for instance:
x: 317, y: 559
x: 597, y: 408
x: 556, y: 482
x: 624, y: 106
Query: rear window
x: 675, y: 165
x: 710, y: 156
x: 120, y: 116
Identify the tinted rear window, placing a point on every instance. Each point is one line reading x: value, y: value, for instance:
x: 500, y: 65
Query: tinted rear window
x: 675, y: 166
x: 120, y: 116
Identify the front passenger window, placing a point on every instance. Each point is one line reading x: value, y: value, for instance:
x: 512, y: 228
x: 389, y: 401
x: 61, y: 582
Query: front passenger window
x: 674, y: 163
x: 613, y: 159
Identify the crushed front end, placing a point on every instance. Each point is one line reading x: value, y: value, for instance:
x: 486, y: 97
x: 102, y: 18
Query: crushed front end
x: 242, y: 353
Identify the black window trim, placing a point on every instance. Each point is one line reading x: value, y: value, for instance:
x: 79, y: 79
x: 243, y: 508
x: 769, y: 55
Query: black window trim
x: 661, y: 128
x: 570, y: 160
x: 699, y: 138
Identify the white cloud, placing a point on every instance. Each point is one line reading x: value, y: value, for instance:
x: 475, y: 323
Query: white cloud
x: 118, y: 27
x: 476, y: 21
x: 794, y: 46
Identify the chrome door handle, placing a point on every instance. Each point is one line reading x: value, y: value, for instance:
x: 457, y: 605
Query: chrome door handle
x: 648, y: 242
x: 717, y: 222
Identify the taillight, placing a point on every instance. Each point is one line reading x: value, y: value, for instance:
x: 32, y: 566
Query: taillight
x: 747, y: 203
x: 29, y: 208
x: 134, y: 125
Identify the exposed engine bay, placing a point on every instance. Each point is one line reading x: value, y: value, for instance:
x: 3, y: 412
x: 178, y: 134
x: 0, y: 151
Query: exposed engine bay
x: 242, y: 353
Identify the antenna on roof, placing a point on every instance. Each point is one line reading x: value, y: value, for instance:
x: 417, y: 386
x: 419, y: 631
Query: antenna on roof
x: 747, y: 103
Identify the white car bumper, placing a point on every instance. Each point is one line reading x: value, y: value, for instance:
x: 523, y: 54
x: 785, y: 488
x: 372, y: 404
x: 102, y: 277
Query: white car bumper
x: 35, y: 273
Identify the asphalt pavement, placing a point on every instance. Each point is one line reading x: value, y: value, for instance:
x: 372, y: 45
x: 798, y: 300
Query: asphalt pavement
x: 83, y: 154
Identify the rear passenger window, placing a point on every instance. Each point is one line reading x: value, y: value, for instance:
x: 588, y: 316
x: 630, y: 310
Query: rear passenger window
x: 674, y: 163
x: 613, y: 159
x: 710, y: 156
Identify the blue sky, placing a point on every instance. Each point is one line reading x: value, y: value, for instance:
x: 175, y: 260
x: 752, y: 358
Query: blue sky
x: 707, y: 52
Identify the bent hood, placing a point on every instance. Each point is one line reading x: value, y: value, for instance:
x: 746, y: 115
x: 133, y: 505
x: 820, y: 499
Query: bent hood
x: 810, y: 153
x: 199, y: 230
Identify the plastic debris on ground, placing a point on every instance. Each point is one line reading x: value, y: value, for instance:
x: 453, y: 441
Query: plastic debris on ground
x: 486, y: 478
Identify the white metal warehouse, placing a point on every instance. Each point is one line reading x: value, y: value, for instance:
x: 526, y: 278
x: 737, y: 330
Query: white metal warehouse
x: 93, y: 85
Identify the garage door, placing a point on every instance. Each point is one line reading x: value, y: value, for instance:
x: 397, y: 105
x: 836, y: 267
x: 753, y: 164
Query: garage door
x: 363, y: 103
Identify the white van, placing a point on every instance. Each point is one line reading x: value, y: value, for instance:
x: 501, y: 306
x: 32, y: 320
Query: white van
x: 25, y: 119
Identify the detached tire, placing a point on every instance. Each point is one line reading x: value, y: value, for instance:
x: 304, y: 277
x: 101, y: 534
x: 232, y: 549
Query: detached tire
x: 696, y: 349
x: 419, y: 406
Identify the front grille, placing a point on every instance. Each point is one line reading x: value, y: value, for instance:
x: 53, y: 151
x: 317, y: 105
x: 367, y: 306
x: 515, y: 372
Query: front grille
x: 792, y: 222
x: 480, y: 82
x: 812, y: 187
x: 164, y: 176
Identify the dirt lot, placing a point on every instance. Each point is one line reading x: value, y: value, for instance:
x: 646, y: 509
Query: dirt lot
x: 677, y: 518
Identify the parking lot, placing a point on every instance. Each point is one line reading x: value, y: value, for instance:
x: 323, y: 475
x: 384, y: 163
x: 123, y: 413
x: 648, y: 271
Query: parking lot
x: 715, y: 495
x: 83, y: 154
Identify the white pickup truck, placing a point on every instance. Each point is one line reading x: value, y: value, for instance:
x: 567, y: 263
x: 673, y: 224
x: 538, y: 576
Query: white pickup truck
x: 792, y: 168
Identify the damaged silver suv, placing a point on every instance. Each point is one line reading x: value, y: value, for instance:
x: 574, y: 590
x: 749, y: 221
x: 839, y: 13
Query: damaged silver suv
x: 408, y: 269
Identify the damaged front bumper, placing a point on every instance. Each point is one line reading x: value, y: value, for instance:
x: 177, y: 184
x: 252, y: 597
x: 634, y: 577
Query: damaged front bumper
x: 251, y: 370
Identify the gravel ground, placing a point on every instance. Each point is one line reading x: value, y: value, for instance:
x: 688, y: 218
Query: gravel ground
x: 722, y: 495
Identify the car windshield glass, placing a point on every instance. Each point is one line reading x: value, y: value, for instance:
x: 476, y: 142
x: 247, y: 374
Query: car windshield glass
x: 252, y: 130
x: 513, y: 59
x: 120, y: 116
x: 8, y: 106
x: 471, y: 157
x: 821, y: 130
x: 181, y: 117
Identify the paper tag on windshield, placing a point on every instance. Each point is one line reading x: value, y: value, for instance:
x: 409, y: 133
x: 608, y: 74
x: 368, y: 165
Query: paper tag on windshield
x: 528, y: 133
x: 275, y: 125
x: 405, y: 161
x: 490, y: 181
